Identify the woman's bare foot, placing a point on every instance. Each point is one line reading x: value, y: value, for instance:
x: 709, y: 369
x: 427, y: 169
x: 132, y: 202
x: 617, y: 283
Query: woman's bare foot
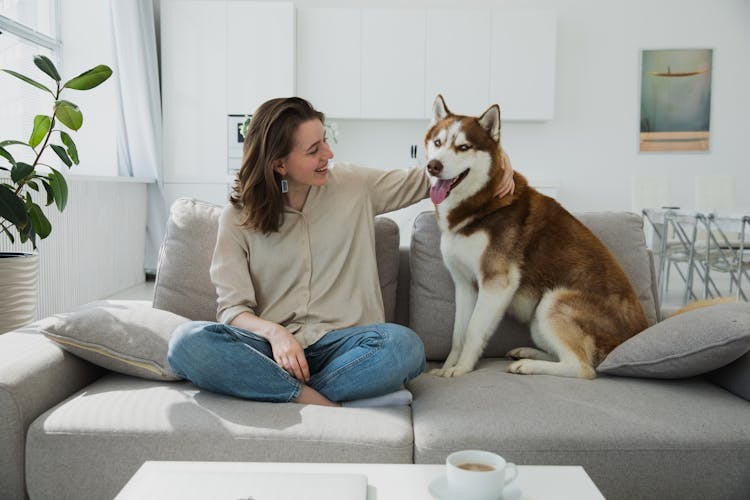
x: 309, y: 396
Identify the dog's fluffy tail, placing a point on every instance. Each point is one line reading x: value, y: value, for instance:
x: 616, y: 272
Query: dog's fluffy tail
x: 698, y: 304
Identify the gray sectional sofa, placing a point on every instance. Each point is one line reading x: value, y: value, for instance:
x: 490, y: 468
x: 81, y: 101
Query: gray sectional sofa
x: 70, y: 429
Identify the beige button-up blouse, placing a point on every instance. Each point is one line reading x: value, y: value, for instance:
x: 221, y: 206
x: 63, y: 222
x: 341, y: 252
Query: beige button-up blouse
x: 318, y: 272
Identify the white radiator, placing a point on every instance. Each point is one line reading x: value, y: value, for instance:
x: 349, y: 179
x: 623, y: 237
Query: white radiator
x: 97, y: 244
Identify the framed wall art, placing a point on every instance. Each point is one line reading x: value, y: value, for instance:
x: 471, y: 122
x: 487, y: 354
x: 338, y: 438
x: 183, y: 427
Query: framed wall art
x: 675, y: 99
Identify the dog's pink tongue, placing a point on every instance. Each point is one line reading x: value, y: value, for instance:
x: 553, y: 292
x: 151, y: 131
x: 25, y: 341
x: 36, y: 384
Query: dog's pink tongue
x: 439, y: 190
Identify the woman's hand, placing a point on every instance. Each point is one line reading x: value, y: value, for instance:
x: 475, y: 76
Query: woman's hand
x: 288, y: 353
x: 507, y: 186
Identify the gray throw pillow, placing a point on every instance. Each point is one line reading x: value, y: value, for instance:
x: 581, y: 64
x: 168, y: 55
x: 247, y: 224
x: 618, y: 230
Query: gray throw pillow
x: 125, y: 336
x: 685, y: 345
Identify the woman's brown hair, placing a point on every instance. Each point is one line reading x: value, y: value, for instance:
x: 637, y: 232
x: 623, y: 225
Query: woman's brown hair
x: 270, y: 137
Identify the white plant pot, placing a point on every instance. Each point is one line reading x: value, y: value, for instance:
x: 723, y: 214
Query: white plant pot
x: 19, y: 281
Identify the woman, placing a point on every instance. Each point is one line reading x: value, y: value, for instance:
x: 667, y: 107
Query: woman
x: 299, y: 304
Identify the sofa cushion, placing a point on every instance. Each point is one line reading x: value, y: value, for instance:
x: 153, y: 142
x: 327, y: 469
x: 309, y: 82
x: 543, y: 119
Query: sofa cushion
x: 387, y: 254
x: 685, y: 345
x: 622, y: 233
x: 101, y: 435
x: 125, y: 336
x: 431, y: 298
x: 183, y: 283
x: 636, y: 438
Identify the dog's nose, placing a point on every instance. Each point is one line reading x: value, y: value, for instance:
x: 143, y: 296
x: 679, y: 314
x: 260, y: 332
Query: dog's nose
x: 434, y: 167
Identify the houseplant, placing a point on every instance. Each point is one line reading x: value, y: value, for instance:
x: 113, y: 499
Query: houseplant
x: 20, y: 214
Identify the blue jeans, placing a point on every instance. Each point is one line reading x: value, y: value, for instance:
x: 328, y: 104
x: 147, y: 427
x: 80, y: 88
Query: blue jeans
x: 352, y: 363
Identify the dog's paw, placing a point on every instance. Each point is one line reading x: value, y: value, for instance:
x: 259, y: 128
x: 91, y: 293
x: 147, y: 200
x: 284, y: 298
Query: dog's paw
x: 520, y: 367
x: 528, y: 353
x: 450, y: 371
x: 456, y: 371
x: 516, y: 353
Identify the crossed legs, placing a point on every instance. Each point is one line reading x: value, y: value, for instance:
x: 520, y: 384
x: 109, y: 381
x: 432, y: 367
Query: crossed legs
x: 348, y: 364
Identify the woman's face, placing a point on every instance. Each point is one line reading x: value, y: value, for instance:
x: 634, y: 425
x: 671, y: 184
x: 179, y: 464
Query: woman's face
x: 307, y: 163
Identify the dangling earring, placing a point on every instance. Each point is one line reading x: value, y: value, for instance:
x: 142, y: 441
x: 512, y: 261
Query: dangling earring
x: 284, y: 186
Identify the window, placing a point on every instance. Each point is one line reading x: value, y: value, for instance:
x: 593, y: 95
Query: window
x: 38, y: 15
x: 27, y: 28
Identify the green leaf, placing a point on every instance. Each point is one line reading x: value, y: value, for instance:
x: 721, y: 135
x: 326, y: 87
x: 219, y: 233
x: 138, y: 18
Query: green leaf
x: 44, y: 63
x: 89, y: 79
x: 10, y: 236
x: 8, y: 143
x: 29, y: 81
x: 69, y: 114
x: 5, y: 154
x: 72, y: 149
x: 39, y: 221
x: 12, y: 208
x: 62, y: 154
x: 33, y: 185
x: 50, y: 193
x: 27, y: 233
x: 20, y: 171
x: 41, y: 127
x: 59, y: 189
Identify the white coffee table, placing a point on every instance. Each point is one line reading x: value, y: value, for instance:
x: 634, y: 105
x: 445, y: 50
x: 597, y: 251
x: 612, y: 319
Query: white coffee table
x: 187, y: 480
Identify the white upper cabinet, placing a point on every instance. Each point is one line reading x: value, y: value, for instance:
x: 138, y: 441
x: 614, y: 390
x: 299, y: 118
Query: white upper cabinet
x: 458, y: 60
x: 260, y: 53
x: 226, y: 57
x: 390, y: 63
x: 523, y: 52
x: 218, y: 58
x: 393, y: 63
x: 194, y: 89
x: 328, y: 60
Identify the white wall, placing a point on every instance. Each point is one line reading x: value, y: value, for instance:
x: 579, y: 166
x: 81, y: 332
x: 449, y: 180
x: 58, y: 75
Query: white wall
x: 590, y: 148
x: 96, y: 247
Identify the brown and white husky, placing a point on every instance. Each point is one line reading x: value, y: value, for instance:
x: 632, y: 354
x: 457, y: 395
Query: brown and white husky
x: 522, y: 254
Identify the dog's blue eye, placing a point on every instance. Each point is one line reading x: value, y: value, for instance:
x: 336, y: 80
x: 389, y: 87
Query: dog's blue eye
x: 464, y: 147
x: 437, y: 142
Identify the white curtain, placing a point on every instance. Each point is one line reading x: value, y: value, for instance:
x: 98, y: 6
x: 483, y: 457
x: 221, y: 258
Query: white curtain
x: 139, y: 134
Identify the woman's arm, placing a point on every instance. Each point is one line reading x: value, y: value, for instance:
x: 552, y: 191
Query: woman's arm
x: 395, y: 189
x: 390, y: 190
x: 230, y: 272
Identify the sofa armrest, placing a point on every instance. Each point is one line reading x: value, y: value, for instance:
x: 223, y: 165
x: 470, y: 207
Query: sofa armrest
x: 35, y: 375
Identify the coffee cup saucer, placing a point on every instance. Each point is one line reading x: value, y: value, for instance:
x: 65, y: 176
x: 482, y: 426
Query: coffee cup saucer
x: 440, y: 490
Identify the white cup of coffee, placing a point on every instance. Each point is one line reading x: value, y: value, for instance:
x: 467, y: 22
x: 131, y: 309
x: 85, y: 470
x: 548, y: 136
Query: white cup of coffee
x: 478, y: 475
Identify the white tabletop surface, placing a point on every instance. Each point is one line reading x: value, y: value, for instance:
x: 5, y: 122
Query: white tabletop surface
x: 186, y: 480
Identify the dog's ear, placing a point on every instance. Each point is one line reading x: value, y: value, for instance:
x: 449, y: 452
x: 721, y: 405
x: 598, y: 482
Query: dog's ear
x: 490, y: 121
x: 439, y: 110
